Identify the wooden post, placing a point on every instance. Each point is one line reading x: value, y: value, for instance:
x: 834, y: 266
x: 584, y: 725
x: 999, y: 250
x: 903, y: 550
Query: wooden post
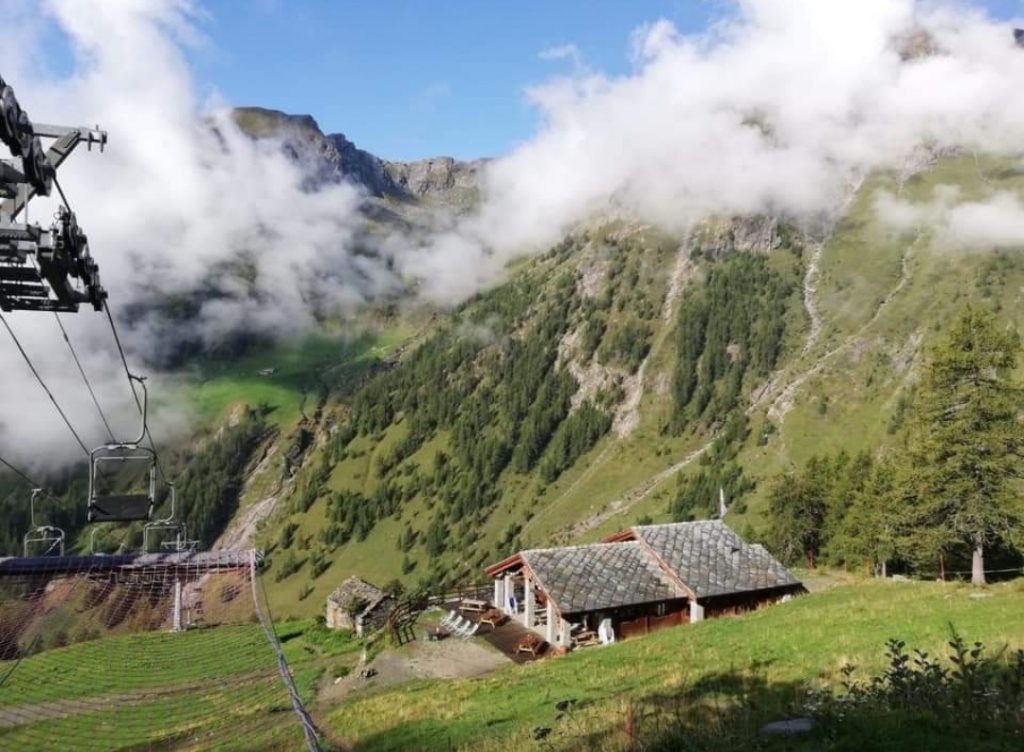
x: 529, y: 604
x: 942, y: 565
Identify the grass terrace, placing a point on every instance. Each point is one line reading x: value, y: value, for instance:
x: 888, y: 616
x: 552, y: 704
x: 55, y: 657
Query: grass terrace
x: 713, y: 683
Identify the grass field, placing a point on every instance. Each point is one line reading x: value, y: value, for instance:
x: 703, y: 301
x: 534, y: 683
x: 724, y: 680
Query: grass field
x: 750, y: 669
x: 212, y: 688
x: 218, y: 687
x: 300, y: 367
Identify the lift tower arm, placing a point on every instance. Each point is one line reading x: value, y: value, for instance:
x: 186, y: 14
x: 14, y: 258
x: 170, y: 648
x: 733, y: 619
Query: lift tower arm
x: 40, y: 269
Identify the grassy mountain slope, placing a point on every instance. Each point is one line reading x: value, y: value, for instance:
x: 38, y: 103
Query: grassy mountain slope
x: 553, y: 407
x: 709, y: 686
x: 607, y: 315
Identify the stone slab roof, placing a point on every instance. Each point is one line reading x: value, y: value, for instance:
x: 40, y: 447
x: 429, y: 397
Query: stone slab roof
x: 711, y: 559
x: 601, y: 575
x: 356, y: 587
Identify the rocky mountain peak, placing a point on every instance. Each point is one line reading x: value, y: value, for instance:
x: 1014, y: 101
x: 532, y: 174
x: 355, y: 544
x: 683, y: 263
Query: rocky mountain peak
x: 441, y: 181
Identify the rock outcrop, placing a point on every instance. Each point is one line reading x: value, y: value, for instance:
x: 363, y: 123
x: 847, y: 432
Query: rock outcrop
x: 439, y: 181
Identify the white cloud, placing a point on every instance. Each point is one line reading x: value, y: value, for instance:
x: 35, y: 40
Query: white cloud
x: 771, y: 110
x: 956, y: 223
x: 568, y: 52
x: 179, y: 192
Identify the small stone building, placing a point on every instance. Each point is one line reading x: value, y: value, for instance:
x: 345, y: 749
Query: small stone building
x: 375, y: 606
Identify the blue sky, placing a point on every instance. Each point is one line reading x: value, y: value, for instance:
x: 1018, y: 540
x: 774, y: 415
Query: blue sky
x: 407, y: 79
x: 414, y: 78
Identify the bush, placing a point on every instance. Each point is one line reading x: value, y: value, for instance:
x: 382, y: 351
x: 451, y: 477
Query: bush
x: 972, y: 688
x: 290, y: 564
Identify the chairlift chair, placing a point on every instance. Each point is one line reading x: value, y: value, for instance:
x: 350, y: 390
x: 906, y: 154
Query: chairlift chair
x: 45, y: 538
x: 123, y: 507
x: 181, y: 543
x: 165, y: 525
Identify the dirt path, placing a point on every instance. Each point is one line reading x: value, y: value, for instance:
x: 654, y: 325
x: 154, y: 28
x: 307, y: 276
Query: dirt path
x: 451, y: 658
x: 627, y: 501
x: 784, y: 402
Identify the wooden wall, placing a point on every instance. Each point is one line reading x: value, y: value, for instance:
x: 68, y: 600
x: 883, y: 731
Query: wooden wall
x: 733, y: 605
x: 647, y: 624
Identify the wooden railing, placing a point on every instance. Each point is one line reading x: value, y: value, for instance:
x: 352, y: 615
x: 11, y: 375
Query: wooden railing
x: 403, y: 616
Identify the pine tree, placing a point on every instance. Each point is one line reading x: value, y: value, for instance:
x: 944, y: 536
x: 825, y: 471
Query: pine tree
x: 797, y: 510
x: 969, y: 438
x: 874, y: 527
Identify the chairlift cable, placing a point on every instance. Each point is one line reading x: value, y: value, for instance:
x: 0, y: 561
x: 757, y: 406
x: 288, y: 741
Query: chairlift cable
x: 32, y: 483
x: 131, y: 384
x: 42, y: 383
x: 124, y: 362
x: 60, y: 191
x: 19, y: 473
x: 146, y: 433
x: 85, y: 378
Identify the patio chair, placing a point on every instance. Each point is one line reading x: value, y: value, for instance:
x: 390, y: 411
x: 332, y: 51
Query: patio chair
x: 449, y: 619
x: 470, y: 632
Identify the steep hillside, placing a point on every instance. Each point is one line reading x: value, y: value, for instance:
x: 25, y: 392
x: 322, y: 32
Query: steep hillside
x: 625, y: 374
x: 628, y: 374
x: 491, y: 433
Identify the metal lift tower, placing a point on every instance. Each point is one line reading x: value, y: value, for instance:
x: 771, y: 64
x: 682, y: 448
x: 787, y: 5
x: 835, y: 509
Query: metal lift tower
x: 41, y: 269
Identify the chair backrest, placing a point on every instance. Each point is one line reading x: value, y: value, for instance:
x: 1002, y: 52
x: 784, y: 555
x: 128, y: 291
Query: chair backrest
x: 44, y: 540
x: 107, y: 506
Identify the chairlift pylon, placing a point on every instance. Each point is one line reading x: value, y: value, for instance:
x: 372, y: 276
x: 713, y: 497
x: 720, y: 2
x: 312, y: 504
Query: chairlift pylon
x: 41, y: 269
x: 48, y: 538
x: 124, y: 507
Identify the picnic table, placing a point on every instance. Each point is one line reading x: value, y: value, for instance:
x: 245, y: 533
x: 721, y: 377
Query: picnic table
x: 530, y: 643
x: 492, y: 616
x: 587, y: 637
x: 471, y: 604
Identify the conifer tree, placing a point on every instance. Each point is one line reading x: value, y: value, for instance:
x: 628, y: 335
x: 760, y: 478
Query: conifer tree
x: 966, y: 453
x: 874, y: 527
x: 797, y: 511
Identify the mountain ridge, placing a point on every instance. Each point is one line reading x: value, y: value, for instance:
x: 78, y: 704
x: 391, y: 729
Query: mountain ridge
x: 439, y: 181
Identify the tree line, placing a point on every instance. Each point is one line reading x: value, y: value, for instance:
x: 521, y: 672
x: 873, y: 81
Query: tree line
x: 948, y: 493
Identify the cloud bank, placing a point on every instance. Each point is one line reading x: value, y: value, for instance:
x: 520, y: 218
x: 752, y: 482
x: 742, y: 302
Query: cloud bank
x: 772, y: 109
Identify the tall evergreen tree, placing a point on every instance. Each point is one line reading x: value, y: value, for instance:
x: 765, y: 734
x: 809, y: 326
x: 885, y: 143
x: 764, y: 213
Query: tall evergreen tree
x: 966, y: 456
x: 797, y: 510
x: 874, y: 527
